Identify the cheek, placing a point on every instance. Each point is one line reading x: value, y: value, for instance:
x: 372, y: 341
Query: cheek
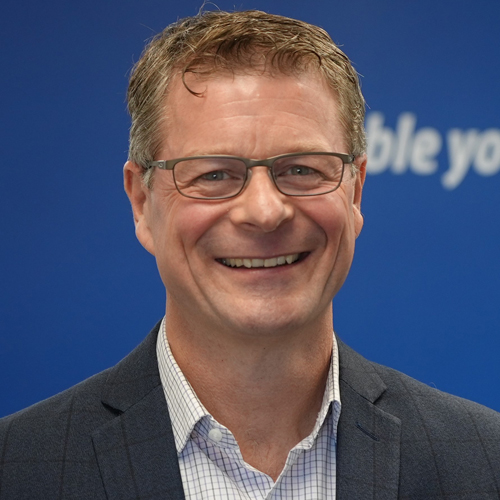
x: 332, y: 214
x: 186, y: 225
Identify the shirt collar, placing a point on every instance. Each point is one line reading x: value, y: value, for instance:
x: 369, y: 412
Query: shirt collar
x: 186, y: 410
x: 184, y: 407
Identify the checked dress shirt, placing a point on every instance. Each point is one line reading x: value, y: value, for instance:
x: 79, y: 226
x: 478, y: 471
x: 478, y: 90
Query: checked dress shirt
x: 210, y: 460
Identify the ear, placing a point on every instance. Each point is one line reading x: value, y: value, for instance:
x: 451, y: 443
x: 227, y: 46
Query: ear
x: 359, y: 182
x: 140, y: 199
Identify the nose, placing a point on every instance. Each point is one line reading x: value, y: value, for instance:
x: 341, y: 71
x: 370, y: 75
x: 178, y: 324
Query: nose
x: 261, y: 206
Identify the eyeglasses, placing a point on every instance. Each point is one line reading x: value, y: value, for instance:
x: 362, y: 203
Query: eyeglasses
x: 216, y: 177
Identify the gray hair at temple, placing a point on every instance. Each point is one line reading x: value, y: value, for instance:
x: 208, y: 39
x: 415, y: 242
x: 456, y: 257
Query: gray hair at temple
x: 216, y: 42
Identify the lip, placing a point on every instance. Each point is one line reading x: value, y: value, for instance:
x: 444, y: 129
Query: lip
x: 263, y: 263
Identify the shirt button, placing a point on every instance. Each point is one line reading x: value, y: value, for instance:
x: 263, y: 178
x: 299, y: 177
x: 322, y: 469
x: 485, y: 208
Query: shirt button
x: 215, y: 435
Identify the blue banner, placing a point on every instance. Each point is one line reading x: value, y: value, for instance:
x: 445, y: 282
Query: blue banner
x: 78, y: 292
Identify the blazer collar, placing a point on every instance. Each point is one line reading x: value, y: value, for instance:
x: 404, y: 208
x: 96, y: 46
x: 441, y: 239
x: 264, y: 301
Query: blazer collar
x: 368, y: 446
x: 134, y: 376
x: 136, y: 450
x: 360, y: 374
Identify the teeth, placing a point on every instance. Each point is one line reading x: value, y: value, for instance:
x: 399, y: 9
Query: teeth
x: 273, y: 262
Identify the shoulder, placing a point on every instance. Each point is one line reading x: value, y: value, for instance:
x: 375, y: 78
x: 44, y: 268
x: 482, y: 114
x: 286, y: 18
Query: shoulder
x: 42, y: 445
x: 56, y: 409
x: 453, y: 442
x: 405, y: 395
x: 48, y: 447
x: 83, y: 406
x: 445, y: 443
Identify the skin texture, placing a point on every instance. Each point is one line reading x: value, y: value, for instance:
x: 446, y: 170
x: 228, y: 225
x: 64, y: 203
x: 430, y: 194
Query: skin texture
x: 255, y: 344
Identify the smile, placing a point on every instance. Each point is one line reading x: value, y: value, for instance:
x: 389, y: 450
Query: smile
x: 272, y: 262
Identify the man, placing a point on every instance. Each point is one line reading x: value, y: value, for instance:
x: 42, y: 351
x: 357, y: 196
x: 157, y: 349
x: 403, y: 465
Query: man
x: 243, y: 390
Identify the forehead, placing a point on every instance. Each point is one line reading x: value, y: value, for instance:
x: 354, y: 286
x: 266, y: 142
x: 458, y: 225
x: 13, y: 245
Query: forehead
x: 251, y: 110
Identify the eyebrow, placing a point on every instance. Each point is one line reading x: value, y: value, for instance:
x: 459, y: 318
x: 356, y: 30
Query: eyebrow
x: 300, y: 149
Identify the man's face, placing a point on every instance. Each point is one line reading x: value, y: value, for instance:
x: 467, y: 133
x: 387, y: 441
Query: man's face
x: 253, y: 116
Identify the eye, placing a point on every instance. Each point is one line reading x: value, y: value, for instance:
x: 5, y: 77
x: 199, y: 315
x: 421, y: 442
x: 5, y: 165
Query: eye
x: 299, y: 170
x: 215, y: 175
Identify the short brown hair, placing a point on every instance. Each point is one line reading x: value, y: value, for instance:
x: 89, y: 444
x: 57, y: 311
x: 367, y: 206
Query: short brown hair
x: 218, y: 41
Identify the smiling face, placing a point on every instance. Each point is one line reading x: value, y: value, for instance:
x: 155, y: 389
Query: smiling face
x: 261, y: 262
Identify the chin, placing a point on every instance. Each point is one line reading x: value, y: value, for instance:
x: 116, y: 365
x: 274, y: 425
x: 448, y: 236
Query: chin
x: 271, y: 320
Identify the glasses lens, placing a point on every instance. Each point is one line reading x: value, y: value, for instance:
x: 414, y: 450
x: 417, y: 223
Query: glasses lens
x: 308, y: 174
x: 210, y: 178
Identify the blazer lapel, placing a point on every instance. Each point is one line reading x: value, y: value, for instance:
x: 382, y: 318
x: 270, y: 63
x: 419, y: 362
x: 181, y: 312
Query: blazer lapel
x: 368, y: 446
x: 136, y: 450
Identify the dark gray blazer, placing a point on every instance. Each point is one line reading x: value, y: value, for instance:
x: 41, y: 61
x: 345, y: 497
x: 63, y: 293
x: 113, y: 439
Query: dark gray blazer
x: 110, y: 437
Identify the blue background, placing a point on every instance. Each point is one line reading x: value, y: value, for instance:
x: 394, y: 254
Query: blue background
x: 78, y: 292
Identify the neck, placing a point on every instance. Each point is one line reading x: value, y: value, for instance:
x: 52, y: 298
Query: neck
x: 267, y: 390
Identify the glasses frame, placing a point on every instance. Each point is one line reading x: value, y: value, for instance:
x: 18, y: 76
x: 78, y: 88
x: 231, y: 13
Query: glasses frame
x: 347, y: 159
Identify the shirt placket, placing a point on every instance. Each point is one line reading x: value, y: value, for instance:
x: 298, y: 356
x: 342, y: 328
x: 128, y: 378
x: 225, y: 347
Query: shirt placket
x: 220, y: 446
